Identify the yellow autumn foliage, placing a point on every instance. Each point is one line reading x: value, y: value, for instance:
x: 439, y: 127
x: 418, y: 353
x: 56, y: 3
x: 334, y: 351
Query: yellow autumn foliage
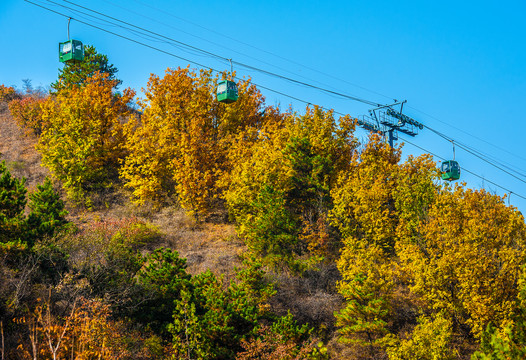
x: 82, y: 140
x: 364, y: 207
x: 470, y: 260
x: 278, y: 191
x: 177, y: 149
x: 459, y: 252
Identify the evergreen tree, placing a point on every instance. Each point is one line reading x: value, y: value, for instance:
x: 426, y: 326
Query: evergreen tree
x: 48, y: 213
x: 210, y: 320
x: 278, y: 191
x: 12, y: 203
x: 76, y: 73
x: 163, y: 277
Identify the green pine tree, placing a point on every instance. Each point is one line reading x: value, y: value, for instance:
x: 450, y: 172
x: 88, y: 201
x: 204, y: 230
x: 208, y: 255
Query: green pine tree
x: 366, y: 285
x: 12, y: 203
x: 76, y: 73
x: 363, y: 320
x: 211, y: 320
x: 163, y: 277
x: 48, y: 213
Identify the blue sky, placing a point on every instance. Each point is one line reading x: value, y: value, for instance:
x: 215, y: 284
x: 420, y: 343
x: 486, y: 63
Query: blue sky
x: 461, y: 65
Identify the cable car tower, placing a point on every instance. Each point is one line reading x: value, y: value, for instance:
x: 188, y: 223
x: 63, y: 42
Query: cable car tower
x: 387, y: 121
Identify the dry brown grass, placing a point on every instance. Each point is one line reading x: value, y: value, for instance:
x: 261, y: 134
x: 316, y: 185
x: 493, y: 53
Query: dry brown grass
x: 311, y: 298
x: 18, y: 151
x: 206, y: 246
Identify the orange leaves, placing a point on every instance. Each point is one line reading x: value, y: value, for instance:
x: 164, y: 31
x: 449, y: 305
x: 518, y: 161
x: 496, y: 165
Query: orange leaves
x: 84, y: 330
x: 7, y: 93
x: 172, y: 147
x: 27, y: 112
x: 180, y: 145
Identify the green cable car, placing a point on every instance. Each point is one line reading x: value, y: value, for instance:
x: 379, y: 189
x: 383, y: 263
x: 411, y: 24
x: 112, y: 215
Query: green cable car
x: 70, y: 51
x: 226, y: 91
x: 450, y: 170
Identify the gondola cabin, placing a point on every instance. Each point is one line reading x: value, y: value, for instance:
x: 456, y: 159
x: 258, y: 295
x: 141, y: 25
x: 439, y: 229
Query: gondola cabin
x: 71, y: 51
x: 226, y: 91
x: 450, y: 170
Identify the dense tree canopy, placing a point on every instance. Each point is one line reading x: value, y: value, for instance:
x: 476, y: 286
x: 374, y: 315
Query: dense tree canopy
x: 410, y: 267
x: 178, y: 147
x: 279, y: 188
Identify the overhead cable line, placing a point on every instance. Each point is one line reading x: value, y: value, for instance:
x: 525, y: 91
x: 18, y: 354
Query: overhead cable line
x: 516, y: 170
x: 262, y: 50
x: 474, y: 153
x: 137, y: 27
x: 336, y: 93
x: 177, y: 56
x: 257, y: 69
x: 222, y: 45
x: 322, y: 73
x: 237, y: 63
x: 464, y: 169
x: 218, y: 71
x: 467, y: 133
x: 279, y: 76
x: 124, y: 37
x: 319, y: 72
x: 485, y: 157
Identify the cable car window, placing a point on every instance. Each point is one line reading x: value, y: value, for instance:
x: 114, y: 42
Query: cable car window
x: 221, y: 88
x: 66, y: 48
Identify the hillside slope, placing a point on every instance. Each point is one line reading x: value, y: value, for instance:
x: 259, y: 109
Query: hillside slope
x: 18, y: 150
x: 214, y: 246
x: 205, y: 246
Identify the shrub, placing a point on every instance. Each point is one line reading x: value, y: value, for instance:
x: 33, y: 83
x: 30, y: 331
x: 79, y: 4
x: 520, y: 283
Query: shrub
x: 27, y: 112
x: 7, y: 93
x: 12, y: 203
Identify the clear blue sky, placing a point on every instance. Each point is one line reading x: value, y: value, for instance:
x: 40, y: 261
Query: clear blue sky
x: 461, y: 65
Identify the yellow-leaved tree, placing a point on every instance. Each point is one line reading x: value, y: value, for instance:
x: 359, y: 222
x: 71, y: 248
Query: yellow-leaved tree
x: 82, y: 141
x: 364, y: 212
x: 81, y: 330
x: 278, y: 191
x: 364, y: 204
x: 425, y: 267
x: 469, y: 259
x: 379, y: 204
x: 177, y: 149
